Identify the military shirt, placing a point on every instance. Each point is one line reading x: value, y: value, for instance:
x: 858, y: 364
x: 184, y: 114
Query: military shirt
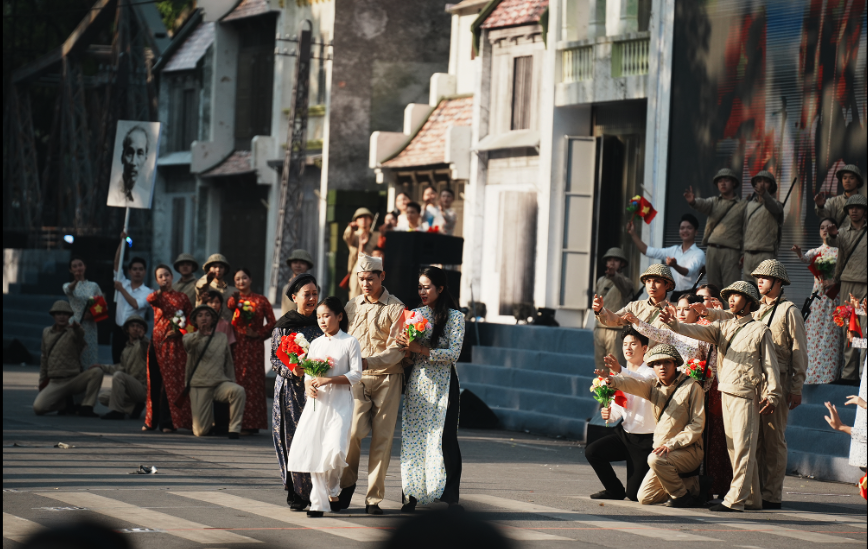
x: 187, y: 287
x: 215, y: 367
x: 791, y: 341
x: 762, y: 223
x: 856, y: 269
x: 645, y: 310
x: 616, y: 291
x: 377, y: 325
x: 61, y: 353
x: 834, y: 208
x: 134, y: 361
x: 725, y: 225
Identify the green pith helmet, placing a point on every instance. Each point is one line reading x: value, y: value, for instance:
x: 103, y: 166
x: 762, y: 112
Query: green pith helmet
x: 772, y: 268
x: 726, y: 172
x: 658, y: 269
x: 300, y: 255
x: 663, y: 352
x: 768, y: 175
x: 617, y: 253
x: 216, y: 258
x: 192, y: 318
x: 186, y: 257
x: 744, y: 288
x: 855, y: 200
x: 61, y: 306
x: 137, y: 319
x: 854, y: 169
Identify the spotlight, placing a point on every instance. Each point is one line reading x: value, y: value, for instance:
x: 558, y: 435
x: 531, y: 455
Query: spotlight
x: 68, y: 238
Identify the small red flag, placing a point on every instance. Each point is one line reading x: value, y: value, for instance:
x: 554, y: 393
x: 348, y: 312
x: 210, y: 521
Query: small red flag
x: 646, y: 210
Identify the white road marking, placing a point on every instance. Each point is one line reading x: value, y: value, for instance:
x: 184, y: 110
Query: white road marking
x: 592, y: 520
x: 855, y: 521
x: 174, y: 526
x: 730, y: 521
x: 336, y: 527
x: 19, y: 529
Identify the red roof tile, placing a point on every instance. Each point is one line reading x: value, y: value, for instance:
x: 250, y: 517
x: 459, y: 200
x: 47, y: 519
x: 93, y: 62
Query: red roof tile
x: 428, y: 146
x: 236, y: 164
x: 511, y: 13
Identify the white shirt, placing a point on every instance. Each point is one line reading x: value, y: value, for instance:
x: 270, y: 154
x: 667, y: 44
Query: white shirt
x: 404, y: 225
x: 692, y: 260
x: 433, y: 217
x: 639, y: 413
x: 140, y: 294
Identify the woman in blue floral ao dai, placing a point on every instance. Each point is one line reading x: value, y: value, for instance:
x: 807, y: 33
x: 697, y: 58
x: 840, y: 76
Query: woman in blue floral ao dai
x: 323, y: 434
x: 430, y: 456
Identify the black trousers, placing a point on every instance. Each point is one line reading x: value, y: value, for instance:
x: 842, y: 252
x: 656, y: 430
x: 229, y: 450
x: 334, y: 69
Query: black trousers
x: 620, y: 446
x: 161, y: 415
x: 119, y: 341
x: 451, y: 451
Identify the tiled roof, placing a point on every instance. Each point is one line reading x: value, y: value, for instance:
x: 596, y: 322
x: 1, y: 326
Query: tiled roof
x: 247, y: 8
x: 237, y: 163
x: 466, y: 4
x: 192, y: 50
x: 511, y: 13
x: 428, y: 146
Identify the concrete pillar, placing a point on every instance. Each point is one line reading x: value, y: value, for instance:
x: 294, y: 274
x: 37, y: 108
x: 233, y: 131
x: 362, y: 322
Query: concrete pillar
x: 596, y: 18
x: 629, y: 18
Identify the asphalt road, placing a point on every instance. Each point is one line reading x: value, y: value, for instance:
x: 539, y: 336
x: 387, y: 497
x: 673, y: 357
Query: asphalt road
x: 213, y: 492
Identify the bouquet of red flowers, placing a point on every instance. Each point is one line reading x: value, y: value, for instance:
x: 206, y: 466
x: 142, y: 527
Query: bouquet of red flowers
x: 180, y: 324
x: 434, y: 229
x: 605, y: 394
x: 245, y: 310
x: 98, y: 308
x: 845, y: 314
x: 697, y: 369
x: 416, y: 326
x: 291, y: 351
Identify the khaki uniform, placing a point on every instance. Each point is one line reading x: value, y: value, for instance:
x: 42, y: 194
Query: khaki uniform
x: 60, y: 366
x: 378, y: 395
x: 129, y: 378
x: 834, y: 208
x: 854, y: 280
x: 214, y: 380
x: 762, y: 225
x: 724, y: 232
x: 679, y: 428
x: 749, y: 369
x: 644, y: 310
x: 791, y: 344
x: 225, y: 290
x: 352, y: 240
x: 187, y: 287
x: 616, y: 292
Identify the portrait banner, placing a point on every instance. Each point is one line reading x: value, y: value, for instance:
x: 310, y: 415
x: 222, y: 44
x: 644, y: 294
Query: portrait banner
x: 134, y: 164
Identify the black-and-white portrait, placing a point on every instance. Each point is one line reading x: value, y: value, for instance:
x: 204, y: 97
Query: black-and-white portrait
x: 134, y: 164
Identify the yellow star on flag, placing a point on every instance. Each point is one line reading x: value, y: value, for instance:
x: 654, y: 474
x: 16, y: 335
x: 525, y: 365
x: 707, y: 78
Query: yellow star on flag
x: 97, y: 308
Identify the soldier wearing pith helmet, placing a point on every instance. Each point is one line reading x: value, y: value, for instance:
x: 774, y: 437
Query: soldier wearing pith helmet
x: 850, y: 177
x: 616, y: 290
x: 763, y: 217
x: 724, y: 230
x: 658, y: 280
x: 215, y: 278
x: 747, y: 371
x: 299, y: 261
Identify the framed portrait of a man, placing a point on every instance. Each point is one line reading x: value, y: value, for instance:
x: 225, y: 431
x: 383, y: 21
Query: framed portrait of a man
x: 134, y: 164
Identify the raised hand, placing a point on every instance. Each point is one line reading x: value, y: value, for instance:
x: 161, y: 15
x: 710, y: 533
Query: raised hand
x: 597, y: 304
x: 611, y: 363
x: 671, y: 261
x: 854, y: 399
x: 700, y: 308
x: 820, y: 199
x: 666, y: 316
x: 797, y: 249
x: 689, y: 196
x: 629, y: 318
x: 630, y: 228
x: 833, y: 419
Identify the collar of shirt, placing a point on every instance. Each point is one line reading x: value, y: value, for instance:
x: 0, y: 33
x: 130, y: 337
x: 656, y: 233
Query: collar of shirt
x: 659, y: 305
x: 766, y: 300
x: 743, y: 320
x: 674, y: 383
x: 384, y: 298
x: 734, y: 198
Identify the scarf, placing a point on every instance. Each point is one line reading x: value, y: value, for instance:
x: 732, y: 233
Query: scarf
x: 294, y: 319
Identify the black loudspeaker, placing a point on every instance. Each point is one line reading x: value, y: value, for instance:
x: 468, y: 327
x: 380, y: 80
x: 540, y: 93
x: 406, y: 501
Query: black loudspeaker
x: 14, y: 352
x: 407, y: 252
x: 475, y: 414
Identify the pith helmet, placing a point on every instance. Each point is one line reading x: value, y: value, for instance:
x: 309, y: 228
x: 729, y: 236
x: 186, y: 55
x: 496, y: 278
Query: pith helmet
x: 774, y: 269
x: 194, y: 312
x: 768, y: 175
x: 744, y: 288
x: 61, y: 306
x: 856, y: 200
x: 617, y: 253
x: 726, y: 172
x: 854, y: 169
x: 663, y: 352
x: 216, y: 258
x: 300, y: 255
x: 362, y: 212
x: 186, y: 257
x: 135, y: 318
x: 658, y: 269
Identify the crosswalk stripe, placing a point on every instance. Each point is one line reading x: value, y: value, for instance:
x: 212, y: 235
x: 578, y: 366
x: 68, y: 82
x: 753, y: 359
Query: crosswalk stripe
x: 740, y: 524
x: 597, y: 521
x: 335, y: 527
x: 19, y: 529
x: 848, y: 520
x: 178, y: 527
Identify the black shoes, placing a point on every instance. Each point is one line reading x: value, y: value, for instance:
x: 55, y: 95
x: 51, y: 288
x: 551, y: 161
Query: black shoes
x: 314, y: 514
x: 346, y: 496
x: 410, y: 506
x: 137, y: 410
x: 335, y: 506
x: 721, y: 508
x: 234, y: 436
x: 771, y: 505
x: 686, y: 501
x: 87, y: 411
x: 373, y: 509
x: 605, y: 494
x: 113, y: 414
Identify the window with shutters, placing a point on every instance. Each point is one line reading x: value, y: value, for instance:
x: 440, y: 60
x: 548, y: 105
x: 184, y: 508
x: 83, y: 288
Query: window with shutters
x: 253, y: 92
x: 522, y: 80
x: 183, y: 113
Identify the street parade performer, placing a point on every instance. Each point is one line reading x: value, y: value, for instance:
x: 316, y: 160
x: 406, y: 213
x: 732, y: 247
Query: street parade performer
x: 130, y: 377
x: 616, y: 290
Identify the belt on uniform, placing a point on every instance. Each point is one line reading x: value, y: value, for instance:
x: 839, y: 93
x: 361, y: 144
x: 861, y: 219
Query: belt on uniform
x: 758, y: 251
x: 718, y: 246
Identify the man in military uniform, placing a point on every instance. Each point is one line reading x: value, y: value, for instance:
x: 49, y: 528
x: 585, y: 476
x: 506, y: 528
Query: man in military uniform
x: 658, y: 280
x: 851, y: 271
x: 763, y: 217
x: 186, y: 264
x: 617, y: 290
x: 724, y: 230
x: 130, y: 377
x: 851, y: 179
x: 215, y: 278
x: 299, y: 261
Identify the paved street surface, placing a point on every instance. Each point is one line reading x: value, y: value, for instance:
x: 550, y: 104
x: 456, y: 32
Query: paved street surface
x: 213, y: 492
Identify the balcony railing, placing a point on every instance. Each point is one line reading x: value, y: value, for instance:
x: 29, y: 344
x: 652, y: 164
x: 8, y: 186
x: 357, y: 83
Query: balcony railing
x: 577, y: 64
x: 630, y: 57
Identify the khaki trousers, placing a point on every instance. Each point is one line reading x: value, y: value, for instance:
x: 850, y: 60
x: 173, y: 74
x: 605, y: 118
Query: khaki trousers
x: 377, y: 400
x: 771, y: 454
x: 853, y: 358
x: 741, y: 424
x: 53, y: 397
x: 721, y: 266
x: 607, y: 342
x: 662, y: 480
x: 202, y: 405
x: 751, y: 262
x: 125, y: 393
